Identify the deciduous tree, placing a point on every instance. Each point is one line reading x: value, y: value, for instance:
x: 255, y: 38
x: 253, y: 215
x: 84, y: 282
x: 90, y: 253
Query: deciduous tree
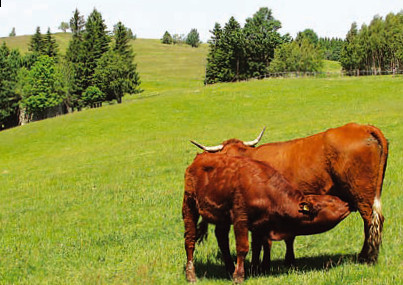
x: 64, y: 26
x: 42, y: 88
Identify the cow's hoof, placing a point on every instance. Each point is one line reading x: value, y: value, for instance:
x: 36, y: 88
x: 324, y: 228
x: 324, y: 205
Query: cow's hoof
x: 190, y: 272
x: 265, y: 268
x: 230, y: 269
x: 364, y: 258
x: 290, y: 262
x: 238, y: 279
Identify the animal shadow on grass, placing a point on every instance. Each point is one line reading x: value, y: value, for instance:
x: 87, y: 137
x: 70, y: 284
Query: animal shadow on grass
x: 216, y: 270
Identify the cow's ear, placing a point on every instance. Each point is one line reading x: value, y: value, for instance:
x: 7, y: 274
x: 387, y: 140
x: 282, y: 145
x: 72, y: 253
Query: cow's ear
x: 305, y: 208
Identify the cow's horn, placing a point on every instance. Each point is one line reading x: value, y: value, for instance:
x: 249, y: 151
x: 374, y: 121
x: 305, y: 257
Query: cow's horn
x: 254, y: 142
x: 208, y: 148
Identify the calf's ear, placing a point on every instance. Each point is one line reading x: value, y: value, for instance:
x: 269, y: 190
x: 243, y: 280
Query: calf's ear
x: 307, y: 208
x: 304, y: 208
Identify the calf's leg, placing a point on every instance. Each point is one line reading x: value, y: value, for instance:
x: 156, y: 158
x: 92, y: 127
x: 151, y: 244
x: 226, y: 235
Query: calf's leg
x: 265, y: 266
x: 257, y: 242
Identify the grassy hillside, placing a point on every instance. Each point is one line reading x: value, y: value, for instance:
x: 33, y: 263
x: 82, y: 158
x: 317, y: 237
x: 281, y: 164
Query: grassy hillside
x: 95, y: 196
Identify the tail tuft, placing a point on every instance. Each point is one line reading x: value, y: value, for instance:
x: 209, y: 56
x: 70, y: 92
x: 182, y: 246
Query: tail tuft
x: 375, y: 229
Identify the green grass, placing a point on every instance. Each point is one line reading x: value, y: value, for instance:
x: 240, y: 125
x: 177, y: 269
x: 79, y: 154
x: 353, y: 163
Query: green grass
x: 95, y: 196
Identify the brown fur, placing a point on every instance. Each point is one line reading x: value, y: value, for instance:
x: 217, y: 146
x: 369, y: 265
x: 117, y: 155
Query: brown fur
x: 251, y: 195
x: 348, y: 162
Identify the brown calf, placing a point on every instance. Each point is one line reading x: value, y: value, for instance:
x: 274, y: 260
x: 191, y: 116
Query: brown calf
x: 251, y: 195
x: 348, y: 162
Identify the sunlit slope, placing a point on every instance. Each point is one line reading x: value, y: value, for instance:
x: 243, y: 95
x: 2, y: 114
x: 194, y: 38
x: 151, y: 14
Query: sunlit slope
x: 166, y: 67
x: 95, y: 196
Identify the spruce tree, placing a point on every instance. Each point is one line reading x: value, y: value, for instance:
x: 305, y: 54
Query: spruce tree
x: 193, y: 38
x: 233, y: 44
x: 167, y: 38
x: 121, y: 44
x: 116, y: 72
x: 49, y: 45
x: 36, y: 44
x: 214, y: 57
x: 77, y: 23
x: 261, y: 39
x: 10, y: 62
x: 95, y: 44
x: 75, y: 61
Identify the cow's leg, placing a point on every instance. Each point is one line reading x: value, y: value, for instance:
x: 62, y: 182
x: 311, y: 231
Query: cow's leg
x: 265, y: 266
x: 289, y: 254
x: 221, y: 233
x: 242, y: 248
x: 257, y: 242
x: 373, y: 223
x: 190, y: 218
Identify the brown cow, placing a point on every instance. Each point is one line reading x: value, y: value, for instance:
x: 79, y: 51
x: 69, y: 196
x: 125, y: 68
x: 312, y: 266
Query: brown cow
x: 348, y: 162
x: 251, y: 195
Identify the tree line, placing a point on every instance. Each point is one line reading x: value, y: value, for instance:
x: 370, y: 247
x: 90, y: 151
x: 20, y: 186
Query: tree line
x: 238, y: 53
x: 376, y: 47
x: 98, y: 67
x: 192, y: 38
x: 257, y: 49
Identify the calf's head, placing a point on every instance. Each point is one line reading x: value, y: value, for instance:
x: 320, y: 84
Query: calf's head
x: 327, y: 211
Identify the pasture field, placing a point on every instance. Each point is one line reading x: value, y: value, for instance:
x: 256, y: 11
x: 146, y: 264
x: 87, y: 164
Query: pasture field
x: 96, y: 196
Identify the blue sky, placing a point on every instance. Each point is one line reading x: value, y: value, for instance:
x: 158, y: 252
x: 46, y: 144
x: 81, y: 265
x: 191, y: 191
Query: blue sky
x: 151, y: 18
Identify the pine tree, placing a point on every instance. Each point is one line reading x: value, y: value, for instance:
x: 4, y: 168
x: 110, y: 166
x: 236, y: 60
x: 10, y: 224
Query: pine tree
x: 193, y: 38
x: 75, y: 61
x: 10, y: 62
x: 116, y: 72
x: 167, y: 38
x: 261, y: 39
x: 77, y: 23
x: 36, y: 45
x: 214, y: 57
x: 233, y: 45
x: 122, y: 42
x: 95, y: 44
x: 49, y: 45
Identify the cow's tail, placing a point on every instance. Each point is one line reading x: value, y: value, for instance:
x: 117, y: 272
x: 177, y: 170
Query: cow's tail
x: 375, y: 229
x: 202, y: 233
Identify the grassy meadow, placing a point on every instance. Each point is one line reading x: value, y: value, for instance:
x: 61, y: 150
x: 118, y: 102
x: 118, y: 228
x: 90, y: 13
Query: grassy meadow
x: 95, y: 197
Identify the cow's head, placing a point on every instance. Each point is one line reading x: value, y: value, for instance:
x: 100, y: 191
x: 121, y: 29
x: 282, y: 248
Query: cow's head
x: 232, y: 146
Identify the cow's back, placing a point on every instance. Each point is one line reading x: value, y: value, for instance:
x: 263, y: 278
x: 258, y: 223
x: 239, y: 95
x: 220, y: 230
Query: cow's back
x: 318, y: 163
